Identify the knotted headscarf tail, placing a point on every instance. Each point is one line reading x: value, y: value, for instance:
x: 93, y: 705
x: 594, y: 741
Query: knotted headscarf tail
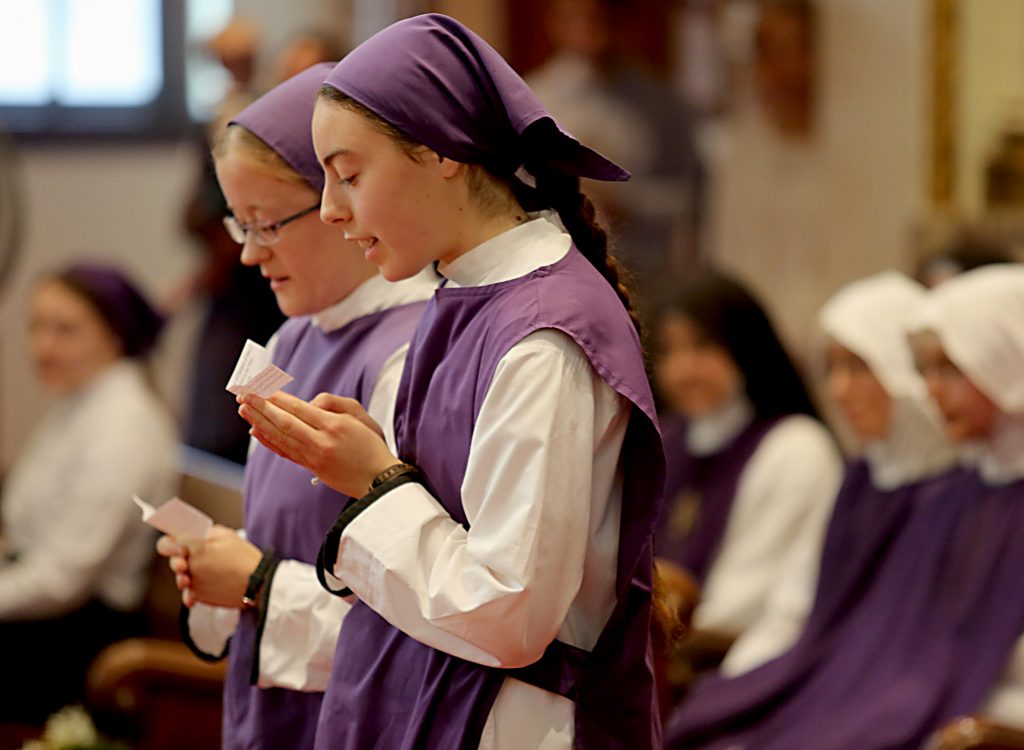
x: 281, y: 118
x: 445, y: 87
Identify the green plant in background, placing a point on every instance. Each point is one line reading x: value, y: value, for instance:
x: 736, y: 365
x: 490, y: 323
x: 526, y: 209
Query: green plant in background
x: 72, y: 729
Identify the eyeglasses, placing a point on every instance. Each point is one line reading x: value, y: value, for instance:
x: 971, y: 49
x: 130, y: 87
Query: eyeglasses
x: 263, y: 234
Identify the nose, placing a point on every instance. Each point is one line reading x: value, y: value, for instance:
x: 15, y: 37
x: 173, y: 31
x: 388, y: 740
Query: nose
x: 933, y: 383
x: 334, y: 209
x: 43, y: 344
x: 253, y: 253
x: 839, y: 384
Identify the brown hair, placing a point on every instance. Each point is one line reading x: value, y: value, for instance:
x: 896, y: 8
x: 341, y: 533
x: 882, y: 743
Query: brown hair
x: 236, y: 139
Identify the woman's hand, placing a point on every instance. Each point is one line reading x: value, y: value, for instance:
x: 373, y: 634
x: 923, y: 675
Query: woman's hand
x: 177, y: 555
x: 333, y: 437
x: 213, y: 571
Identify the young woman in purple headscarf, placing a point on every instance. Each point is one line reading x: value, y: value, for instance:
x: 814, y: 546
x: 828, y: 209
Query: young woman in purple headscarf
x: 347, y: 334
x: 500, y: 551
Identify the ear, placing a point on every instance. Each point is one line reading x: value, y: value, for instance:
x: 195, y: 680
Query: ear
x: 449, y: 168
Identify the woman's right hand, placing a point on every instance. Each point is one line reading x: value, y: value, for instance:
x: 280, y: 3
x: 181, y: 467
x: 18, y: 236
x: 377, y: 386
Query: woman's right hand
x: 177, y: 555
x: 334, y: 438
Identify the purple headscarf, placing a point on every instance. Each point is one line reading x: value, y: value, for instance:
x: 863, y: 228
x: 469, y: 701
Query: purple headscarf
x: 118, y: 302
x: 445, y: 87
x: 281, y: 118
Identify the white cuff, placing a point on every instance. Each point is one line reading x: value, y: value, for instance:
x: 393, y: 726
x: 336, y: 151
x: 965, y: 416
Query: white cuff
x: 211, y: 627
x: 300, y: 631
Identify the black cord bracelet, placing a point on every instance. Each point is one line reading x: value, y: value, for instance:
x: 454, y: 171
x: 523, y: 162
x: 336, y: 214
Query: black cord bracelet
x: 258, y: 578
x: 328, y: 553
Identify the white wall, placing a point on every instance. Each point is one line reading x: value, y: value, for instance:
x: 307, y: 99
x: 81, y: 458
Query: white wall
x: 876, y: 122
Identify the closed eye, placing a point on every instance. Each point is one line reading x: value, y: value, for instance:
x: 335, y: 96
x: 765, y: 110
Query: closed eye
x: 347, y: 181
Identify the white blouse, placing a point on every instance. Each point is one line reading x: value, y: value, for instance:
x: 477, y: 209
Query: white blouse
x: 67, y: 505
x: 783, y: 500
x: 542, y: 492
x: 301, y: 629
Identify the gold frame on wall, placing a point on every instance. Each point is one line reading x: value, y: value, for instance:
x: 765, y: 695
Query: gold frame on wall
x: 943, y: 146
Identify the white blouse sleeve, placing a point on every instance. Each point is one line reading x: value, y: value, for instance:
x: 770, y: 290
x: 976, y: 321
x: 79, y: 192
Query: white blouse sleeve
x: 783, y: 501
x: 301, y: 630
x: 785, y: 612
x: 1006, y: 703
x: 62, y: 568
x: 527, y: 495
x: 210, y: 628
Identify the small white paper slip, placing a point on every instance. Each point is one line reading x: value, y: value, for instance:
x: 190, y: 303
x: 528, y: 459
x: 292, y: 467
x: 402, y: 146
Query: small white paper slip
x: 177, y: 518
x: 255, y: 373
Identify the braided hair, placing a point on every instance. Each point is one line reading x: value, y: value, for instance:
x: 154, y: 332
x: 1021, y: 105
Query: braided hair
x: 562, y: 193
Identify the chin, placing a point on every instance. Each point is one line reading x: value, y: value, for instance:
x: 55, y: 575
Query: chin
x: 958, y: 432
x: 57, y: 386
x: 391, y: 272
x: 292, y: 307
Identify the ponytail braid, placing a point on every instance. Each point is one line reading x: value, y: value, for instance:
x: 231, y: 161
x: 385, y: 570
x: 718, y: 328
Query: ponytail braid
x: 562, y: 192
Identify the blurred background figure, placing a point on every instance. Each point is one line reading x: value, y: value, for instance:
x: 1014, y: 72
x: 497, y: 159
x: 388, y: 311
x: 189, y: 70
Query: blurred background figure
x: 969, y: 345
x: 304, y: 51
x: 626, y: 112
x: 768, y: 222
x: 900, y: 456
x: 917, y: 619
x: 965, y: 253
x: 237, y: 48
x: 752, y: 472
x: 75, y: 554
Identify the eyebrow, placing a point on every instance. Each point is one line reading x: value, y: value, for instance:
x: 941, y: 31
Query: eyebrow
x: 340, y: 152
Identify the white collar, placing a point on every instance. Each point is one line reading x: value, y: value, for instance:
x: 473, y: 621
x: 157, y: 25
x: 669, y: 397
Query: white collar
x: 915, y: 448
x: 712, y: 432
x: 512, y: 254
x: 1001, y: 459
x: 110, y: 377
x: 373, y: 295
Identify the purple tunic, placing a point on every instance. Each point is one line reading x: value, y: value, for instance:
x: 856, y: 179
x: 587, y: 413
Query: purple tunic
x: 708, y: 483
x: 390, y: 691
x: 917, y: 611
x: 283, y: 510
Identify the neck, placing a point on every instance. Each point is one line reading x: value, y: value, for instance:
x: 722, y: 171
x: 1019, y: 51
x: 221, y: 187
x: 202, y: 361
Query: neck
x: 711, y: 432
x: 477, y: 229
x: 1001, y: 456
x: 914, y: 448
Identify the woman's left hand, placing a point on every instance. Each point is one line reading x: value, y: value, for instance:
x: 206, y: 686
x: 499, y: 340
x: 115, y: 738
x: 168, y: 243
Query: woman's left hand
x: 219, y: 567
x: 333, y: 437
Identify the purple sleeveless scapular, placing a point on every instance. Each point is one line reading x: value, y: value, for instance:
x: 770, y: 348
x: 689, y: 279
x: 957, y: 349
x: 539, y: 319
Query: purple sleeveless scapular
x: 390, y: 691
x: 699, y: 495
x: 283, y: 510
x: 913, y: 624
